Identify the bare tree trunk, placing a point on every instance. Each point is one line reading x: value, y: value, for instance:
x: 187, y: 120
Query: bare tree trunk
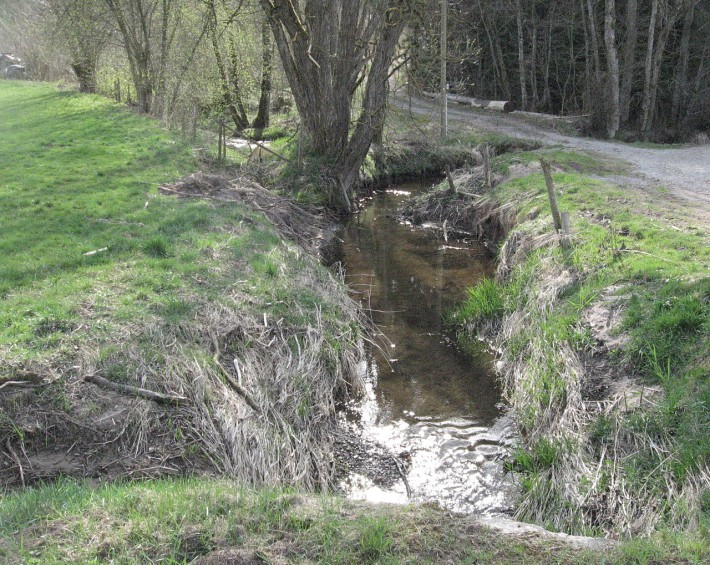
x: 587, y: 60
x: 340, y: 46
x: 230, y: 88
x: 503, y: 69
x: 627, y: 72
x: 547, y: 93
x: 648, y: 69
x: 85, y: 72
x: 668, y: 18
x: 612, y: 57
x: 591, y: 5
x: 521, y: 56
x: 681, y: 79
x: 443, y: 100
x: 133, y: 19
x: 496, y: 54
x: 262, y: 116
x: 533, y: 65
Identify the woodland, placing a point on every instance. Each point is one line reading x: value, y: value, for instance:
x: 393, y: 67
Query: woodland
x: 632, y: 70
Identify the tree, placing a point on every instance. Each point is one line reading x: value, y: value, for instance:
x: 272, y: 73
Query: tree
x: 629, y: 55
x: 612, y: 61
x: 681, y: 80
x: 83, y: 26
x: 261, y: 120
x: 228, y: 66
x: 147, y: 28
x: 328, y: 50
x: 521, y: 56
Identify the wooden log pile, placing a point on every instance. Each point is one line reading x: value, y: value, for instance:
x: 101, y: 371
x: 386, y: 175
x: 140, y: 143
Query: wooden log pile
x: 495, y: 105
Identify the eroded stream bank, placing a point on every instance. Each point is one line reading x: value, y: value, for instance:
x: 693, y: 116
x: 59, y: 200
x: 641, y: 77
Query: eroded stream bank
x: 438, y: 409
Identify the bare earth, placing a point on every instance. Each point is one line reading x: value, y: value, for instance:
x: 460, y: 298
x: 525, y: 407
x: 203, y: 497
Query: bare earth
x: 681, y: 175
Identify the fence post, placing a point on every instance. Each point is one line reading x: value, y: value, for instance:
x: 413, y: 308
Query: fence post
x: 551, y: 194
x: 561, y: 221
x: 486, y: 168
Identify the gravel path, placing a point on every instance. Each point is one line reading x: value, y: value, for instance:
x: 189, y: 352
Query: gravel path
x: 683, y: 172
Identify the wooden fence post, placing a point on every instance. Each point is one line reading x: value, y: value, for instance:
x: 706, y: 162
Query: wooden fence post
x: 193, y: 124
x: 566, y: 240
x: 486, y: 168
x: 224, y: 142
x: 551, y: 194
x: 220, y: 129
x: 561, y: 221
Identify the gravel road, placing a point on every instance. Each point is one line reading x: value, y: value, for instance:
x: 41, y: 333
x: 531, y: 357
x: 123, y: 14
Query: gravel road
x: 683, y: 172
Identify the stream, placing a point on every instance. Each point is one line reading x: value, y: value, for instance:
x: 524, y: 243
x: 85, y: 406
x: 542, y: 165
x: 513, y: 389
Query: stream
x: 439, y: 409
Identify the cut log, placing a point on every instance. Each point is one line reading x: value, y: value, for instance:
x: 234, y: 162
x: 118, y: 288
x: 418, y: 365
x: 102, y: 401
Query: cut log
x: 496, y: 105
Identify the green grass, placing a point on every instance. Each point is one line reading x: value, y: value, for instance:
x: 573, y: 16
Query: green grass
x: 81, y: 174
x: 168, y: 285
x: 485, y: 301
x: 175, y: 521
x: 620, y: 240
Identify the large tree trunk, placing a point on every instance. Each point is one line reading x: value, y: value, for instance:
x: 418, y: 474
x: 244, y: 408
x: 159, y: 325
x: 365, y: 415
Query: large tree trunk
x: 85, y: 71
x: 328, y: 49
x: 629, y: 56
x: 612, y: 58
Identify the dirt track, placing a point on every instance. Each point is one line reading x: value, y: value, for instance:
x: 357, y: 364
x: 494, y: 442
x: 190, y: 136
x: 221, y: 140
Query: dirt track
x: 683, y: 172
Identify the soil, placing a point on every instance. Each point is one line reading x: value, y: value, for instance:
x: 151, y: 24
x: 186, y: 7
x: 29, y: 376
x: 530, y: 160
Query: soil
x: 684, y: 172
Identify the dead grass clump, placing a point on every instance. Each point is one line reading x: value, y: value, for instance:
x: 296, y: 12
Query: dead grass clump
x: 469, y: 210
x: 293, y: 221
x: 292, y: 375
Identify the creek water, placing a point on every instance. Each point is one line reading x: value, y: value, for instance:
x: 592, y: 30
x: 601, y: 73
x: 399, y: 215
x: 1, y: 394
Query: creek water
x: 425, y: 399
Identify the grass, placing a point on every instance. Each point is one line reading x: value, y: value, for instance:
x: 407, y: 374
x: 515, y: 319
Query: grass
x: 484, y: 301
x: 176, y: 521
x: 81, y: 175
x: 627, y: 252
x: 103, y: 274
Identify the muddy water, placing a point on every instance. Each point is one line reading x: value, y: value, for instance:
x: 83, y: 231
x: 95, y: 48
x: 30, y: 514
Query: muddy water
x: 427, y: 401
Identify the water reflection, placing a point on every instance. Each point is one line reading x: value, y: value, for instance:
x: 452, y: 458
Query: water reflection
x: 424, y: 397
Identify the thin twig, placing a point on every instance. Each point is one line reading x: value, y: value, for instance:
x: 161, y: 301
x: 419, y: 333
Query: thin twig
x: 19, y: 383
x: 16, y: 459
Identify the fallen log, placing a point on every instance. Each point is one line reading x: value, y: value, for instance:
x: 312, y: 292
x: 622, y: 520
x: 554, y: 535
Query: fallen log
x: 135, y: 391
x: 497, y: 105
